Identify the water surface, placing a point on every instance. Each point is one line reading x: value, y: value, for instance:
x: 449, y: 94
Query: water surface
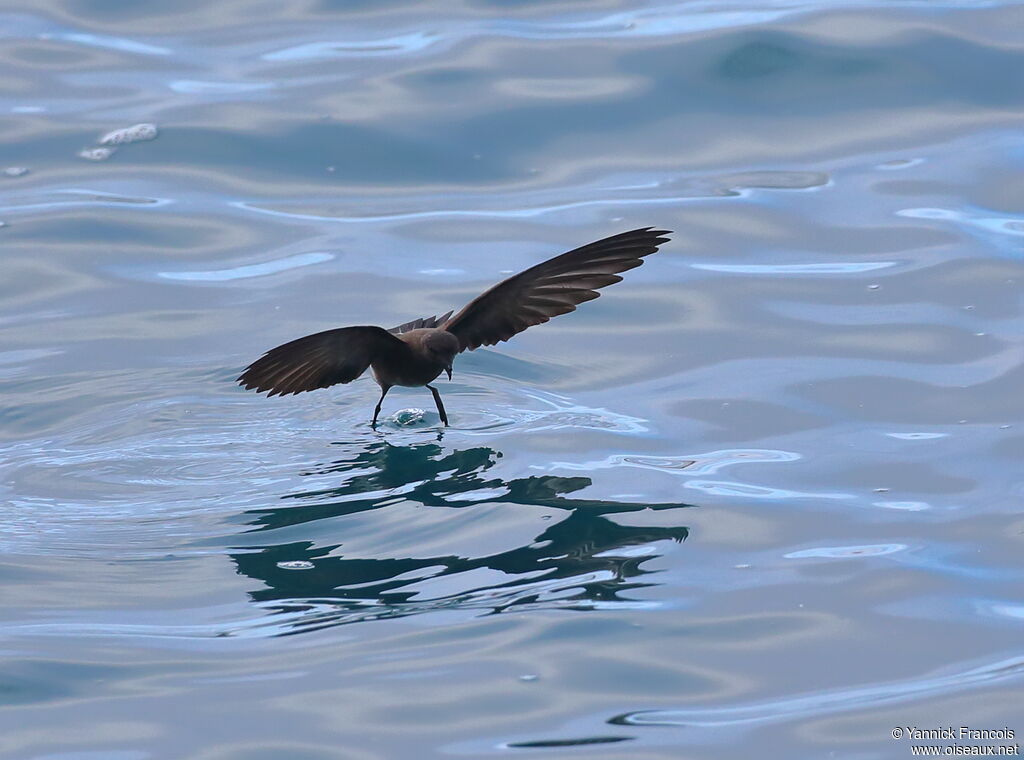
x: 763, y: 496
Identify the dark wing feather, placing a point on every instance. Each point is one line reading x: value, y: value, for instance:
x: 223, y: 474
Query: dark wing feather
x: 421, y: 322
x: 551, y: 288
x: 319, y: 360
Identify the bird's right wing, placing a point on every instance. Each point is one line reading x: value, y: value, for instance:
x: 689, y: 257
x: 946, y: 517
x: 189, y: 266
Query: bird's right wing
x: 550, y: 288
x: 319, y: 360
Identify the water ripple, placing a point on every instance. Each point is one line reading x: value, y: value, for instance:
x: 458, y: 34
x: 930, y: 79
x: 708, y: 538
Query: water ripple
x: 686, y: 464
x: 84, y: 198
x: 250, y: 270
x: 825, y: 702
x: 846, y: 552
x: 850, y: 267
x: 644, y: 191
x: 104, y: 41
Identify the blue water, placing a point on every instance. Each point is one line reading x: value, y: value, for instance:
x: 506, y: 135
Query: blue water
x: 763, y: 498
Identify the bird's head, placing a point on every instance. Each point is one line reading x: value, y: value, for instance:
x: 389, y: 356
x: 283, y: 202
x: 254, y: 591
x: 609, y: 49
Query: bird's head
x: 441, y: 346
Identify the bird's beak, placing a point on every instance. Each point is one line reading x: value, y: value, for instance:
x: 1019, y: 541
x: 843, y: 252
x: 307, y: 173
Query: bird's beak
x: 448, y: 369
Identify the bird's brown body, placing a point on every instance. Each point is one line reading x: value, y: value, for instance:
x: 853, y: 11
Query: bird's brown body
x: 416, y: 353
x: 415, y: 366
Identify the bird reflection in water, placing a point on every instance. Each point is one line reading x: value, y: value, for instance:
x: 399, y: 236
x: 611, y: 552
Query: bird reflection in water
x: 576, y: 562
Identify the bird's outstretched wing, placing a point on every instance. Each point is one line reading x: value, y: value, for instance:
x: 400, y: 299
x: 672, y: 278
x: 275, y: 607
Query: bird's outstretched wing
x: 319, y: 360
x: 551, y: 288
x: 421, y: 322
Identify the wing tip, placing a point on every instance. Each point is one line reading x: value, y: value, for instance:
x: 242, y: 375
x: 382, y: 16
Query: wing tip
x: 641, y: 236
x: 656, y: 236
x: 414, y: 324
x: 269, y: 379
x: 250, y: 383
x: 270, y: 390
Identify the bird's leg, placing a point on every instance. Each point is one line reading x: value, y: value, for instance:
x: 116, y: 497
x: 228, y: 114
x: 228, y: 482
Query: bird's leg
x: 440, y: 406
x: 383, y: 393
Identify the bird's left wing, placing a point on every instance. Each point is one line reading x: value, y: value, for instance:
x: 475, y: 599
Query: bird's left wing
x: 551, y: 288
x: 319, y: 360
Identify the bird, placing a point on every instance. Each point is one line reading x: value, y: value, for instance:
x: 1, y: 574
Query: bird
x: 415, y: 353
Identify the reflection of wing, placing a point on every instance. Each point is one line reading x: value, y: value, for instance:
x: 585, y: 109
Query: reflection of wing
x: 421, y: 322
x: 319, y: 360
x: 551, y: 288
